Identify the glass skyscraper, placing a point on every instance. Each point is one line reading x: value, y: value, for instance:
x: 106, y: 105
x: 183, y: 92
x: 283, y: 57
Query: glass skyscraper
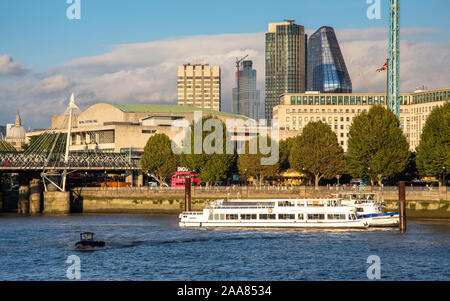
x: 327, y: 72
x: 247, y: 103
x: 285, y: 62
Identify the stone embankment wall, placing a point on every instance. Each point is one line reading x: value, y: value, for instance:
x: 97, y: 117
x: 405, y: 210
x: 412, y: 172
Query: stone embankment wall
x: 419, y: 203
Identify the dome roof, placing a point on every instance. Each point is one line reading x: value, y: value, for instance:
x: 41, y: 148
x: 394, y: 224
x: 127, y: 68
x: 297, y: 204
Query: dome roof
x: 16, y: 132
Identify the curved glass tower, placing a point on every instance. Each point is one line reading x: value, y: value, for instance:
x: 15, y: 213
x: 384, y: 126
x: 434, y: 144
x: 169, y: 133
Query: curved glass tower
x: 327, y: 72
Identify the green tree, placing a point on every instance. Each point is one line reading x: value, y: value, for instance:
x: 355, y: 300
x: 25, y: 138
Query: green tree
x: 433, y: 152
x: 377, y: 147
x: 251, y: 164
x: 285, y: 151
x: 158, y: 159
x: 213, y: 164
x: 317, y: 152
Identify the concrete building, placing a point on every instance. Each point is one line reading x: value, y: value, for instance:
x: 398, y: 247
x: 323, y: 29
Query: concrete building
x: 199, y: 86
x: 245, y: 95
x: 285, y: 63
x: 339, y: 109
x: 127, y: 127
x: 326, y: 69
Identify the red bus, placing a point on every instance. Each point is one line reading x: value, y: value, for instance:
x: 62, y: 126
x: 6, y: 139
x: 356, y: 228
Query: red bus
x: 178, y: 179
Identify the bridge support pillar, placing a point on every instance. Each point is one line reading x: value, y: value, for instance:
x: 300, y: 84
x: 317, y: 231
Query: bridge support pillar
x: 129, y: 177
x: 140, y: 179
x: 35, y: 196
x: 23, y: 204
x: 56, y: 202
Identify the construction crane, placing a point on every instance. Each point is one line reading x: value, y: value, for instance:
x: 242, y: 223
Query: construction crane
x: 394, y: 56
x: 238, y: 64
x: 364, y: 79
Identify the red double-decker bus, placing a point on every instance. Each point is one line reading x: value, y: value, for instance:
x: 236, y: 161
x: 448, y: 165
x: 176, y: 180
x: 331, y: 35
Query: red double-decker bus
x: 178, y: 179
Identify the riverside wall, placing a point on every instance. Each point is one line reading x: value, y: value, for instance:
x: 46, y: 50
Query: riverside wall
x: 423, y: 203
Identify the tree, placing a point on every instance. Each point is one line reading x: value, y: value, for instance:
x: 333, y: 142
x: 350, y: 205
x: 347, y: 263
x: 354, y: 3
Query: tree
x: 250, y: 162
x: 285, y: 151
x: 158, y: 159
x: 316, y: 151
x: 433, y: 152
x: 377, y: 147
x: 212, y: 164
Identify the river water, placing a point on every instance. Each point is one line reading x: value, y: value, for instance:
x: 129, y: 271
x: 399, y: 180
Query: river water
x: 148, y: 247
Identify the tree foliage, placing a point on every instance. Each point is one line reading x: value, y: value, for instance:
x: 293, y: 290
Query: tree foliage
x: 212, y: 167
x: 316, y: 151
x: 158, y: 159
x: 285, y: 151
x: 377, y: 147
x: 433, y: 152
x: 251, y: 165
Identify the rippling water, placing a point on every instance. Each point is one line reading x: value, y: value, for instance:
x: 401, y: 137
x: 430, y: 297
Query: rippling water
x: 144, y: 247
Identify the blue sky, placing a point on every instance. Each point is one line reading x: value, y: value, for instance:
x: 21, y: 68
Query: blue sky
x: 38, y: 34
x: 128, y: 51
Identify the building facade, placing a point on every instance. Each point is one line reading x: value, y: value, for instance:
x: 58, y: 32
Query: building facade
x: 245, y: 95
x: 326, y: 69
x: 285, y: 63
x: 199, y: 86
x: 339, y: 110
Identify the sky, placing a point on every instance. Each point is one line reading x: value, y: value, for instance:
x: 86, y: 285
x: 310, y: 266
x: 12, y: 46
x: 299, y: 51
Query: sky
x: 127, y: 51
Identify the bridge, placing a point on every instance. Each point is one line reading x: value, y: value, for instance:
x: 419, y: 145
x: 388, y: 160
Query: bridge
x: 49, y: 156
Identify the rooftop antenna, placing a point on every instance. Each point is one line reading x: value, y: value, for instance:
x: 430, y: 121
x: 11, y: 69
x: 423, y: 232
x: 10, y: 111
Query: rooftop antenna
x: 289, y: 21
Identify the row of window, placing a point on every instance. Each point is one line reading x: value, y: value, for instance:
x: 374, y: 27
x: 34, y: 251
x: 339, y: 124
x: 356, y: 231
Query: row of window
x: 293, y: 110
x: 282, y: 216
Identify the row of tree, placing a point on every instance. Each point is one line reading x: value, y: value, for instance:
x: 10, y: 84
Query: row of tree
x: 377, y: 149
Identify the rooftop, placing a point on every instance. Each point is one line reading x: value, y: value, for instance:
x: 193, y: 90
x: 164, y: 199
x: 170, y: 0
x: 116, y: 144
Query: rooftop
x: 149, y: 108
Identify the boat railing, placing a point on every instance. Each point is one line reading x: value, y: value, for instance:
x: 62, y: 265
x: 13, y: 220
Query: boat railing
x: 192, y: 213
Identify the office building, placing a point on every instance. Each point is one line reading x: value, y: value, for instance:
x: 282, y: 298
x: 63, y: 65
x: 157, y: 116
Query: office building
x: 339, y: 110
x: 285, y: 62
x: 326, y: 70
x: 199, y: 86
x: 245, y: 95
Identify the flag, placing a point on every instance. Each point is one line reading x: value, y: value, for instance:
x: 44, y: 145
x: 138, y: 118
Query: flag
x: 385, y: 67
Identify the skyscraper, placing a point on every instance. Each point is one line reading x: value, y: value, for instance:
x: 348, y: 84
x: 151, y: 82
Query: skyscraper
x: 248, y: 102
x: 327, y: 72
x: 199, y: 86
x: 285, y: 62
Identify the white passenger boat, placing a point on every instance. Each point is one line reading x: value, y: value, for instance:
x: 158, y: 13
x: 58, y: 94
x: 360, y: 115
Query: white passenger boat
x: 275, y: 213
x: 370, y: 209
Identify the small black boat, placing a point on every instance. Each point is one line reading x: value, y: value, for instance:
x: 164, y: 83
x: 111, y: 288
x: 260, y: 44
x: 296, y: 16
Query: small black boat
x: 88, y: 242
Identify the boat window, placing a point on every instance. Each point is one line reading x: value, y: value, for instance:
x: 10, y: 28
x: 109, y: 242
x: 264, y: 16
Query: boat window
x: 316, y: 216
x: 336, y: 216
x: 267, y: 216
x: 219, y: 217
x: 286, y: 204
x: 232, y: 217
x: 248, y: 216
x: 286, y: 216
x: 300, y: 216
x: 359, y: 209
x: 351, y: 217
x: 301, y: 203
x: 315, y: 204
x: 211, y: 217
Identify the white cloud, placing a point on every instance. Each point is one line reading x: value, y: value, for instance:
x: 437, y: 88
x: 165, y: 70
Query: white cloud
x: 146, y: 72
x: 8, y: 67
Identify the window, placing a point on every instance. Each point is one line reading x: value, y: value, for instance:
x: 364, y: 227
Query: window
x: 336, y: 216
x: 286, y: 204
x: 232, y: 217
x: 286, y: 216
x: 316, y: 216
x: 300, y: 216
x: 248, y: 216
x: 315, y: 204
x: 267, y: 216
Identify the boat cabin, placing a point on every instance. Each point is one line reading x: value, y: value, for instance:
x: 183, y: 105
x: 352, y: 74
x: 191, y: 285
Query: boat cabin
x: 87, y: 236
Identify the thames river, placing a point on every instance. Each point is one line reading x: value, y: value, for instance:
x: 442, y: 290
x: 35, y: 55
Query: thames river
x: 148, y: 247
